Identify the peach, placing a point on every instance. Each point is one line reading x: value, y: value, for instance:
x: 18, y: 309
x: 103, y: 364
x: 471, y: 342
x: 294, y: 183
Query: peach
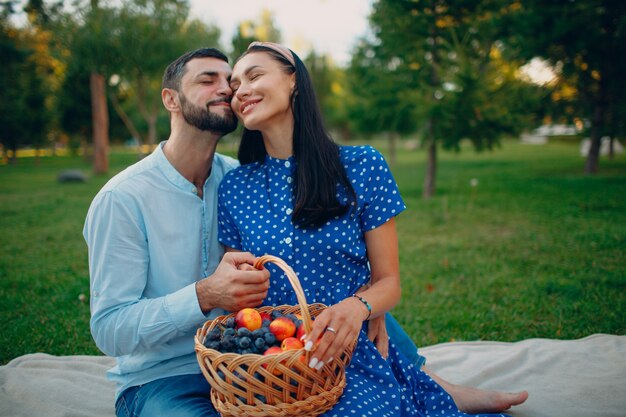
x: 291, y: 343
x: 301, y: 331
x: 272, y: 351
x: 282, y: 328
x: 248, y: 318
x: 266, y: 316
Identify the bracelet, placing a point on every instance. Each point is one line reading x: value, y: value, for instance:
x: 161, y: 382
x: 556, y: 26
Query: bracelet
x: 364, y: 301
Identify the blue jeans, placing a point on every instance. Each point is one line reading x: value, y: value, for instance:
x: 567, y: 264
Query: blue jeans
x: 176, y: 396
x: 402, y: 341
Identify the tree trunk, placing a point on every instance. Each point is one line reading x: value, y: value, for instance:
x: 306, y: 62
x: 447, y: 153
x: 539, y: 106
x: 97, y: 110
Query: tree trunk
x: 592, y: 163
x: 100, y: 117
x: 431, y: 169
x: 126, y: 119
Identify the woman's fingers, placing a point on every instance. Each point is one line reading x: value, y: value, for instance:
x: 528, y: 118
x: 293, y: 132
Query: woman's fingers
x: 332, y: 333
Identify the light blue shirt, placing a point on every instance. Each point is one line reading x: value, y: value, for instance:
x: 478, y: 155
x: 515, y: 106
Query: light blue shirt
x: 150, y: 238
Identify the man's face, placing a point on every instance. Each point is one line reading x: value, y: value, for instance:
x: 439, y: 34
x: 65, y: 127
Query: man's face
x: 205, y: 95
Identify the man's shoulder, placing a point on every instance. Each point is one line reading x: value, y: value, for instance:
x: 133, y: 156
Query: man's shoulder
x: 224, y: 163
x: 129, y: 176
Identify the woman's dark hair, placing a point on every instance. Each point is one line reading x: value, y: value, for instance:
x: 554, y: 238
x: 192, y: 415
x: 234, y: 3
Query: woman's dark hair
x: 319, y: 170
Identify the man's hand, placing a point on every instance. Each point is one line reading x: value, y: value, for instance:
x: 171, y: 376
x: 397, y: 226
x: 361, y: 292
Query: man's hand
x: 234, y: 285
x: 377, y: 333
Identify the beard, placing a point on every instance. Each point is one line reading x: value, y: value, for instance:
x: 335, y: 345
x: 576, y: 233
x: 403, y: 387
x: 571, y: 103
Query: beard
x: 203, y: 119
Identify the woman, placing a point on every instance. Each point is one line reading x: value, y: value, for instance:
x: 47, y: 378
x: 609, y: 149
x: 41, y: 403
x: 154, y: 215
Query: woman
x: 329, y: 212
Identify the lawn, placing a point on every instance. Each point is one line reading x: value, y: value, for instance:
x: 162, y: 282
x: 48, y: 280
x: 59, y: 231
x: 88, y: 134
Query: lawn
x: 534, y: 248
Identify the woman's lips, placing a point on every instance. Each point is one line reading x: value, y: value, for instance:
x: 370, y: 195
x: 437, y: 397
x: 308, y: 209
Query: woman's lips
x: 247, y: 106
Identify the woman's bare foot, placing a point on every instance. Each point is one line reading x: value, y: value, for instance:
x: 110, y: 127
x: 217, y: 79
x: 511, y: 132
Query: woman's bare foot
x: 473, y: 400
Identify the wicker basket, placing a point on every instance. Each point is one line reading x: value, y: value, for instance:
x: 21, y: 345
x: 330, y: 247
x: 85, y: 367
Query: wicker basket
x: 272, y: 385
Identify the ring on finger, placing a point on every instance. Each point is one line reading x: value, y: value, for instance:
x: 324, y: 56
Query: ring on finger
x: 330, y: 329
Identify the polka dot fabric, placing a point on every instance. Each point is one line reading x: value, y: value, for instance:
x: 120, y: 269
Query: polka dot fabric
x: 255, y: 206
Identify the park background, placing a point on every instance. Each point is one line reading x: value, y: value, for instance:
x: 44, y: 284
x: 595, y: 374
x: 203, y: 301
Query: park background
x: 513, y: 177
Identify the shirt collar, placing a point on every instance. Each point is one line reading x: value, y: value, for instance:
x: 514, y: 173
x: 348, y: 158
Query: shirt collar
x: 170, y: 172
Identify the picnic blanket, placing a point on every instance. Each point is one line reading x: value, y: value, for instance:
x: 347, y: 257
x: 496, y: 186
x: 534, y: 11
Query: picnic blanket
x: 569, y: 378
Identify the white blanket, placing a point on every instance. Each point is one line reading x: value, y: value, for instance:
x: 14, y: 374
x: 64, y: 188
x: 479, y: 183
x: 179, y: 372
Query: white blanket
x: 568, y: 378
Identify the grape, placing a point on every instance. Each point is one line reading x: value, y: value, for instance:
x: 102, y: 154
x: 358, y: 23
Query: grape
x: 266, y: 323
x: 270, y: 339
x: 230, y: 322
x: 229, y: 332
x: 275, y: 314
x: 244, y: 342
x: 260, y: 343
x: 246, y: 351
x: 292, y: 317
x: 214, y: 334
x: 243, y: 332
x: 258, y: 333
x: 213, y: 344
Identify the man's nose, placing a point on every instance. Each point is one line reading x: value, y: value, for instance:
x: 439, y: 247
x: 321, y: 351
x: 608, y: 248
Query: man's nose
x: 224, y: 89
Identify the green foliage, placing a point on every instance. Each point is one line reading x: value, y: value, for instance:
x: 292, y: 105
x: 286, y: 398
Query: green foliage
x: 263, y: 29
x: 24, y: 116
x: 535, y: 249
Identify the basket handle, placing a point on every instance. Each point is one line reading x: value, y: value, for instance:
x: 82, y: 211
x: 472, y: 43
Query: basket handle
x: 295, y: 283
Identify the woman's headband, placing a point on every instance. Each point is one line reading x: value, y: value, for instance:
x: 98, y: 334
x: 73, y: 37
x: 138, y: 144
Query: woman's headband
x: 285, y: 52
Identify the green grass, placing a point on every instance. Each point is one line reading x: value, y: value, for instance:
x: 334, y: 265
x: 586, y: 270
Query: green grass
x: 536, y: 249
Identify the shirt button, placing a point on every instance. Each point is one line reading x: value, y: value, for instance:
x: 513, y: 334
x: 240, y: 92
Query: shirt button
x: 194, y: 190
x: 287, y: 164
x: 288, y: 211
x: 288, y: 240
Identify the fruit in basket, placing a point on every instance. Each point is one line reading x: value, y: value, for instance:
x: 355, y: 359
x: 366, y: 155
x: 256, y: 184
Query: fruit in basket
x: 300, y: 332
x: 291, y: 343
x: 248, y: 318
x: 282, y: 328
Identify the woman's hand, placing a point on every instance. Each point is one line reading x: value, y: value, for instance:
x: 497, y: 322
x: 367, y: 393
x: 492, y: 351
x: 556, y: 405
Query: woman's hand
x: 334, y: 329
x: 377, y: 334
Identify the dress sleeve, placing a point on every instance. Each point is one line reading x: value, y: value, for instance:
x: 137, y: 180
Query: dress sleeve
x: 381, y: 197
x: 228, y: 232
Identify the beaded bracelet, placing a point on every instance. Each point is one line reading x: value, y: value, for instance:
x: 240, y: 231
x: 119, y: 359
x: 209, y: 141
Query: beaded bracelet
x: 364, y: 301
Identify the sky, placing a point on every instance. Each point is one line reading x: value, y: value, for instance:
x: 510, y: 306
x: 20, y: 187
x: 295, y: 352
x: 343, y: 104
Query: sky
x: 330, y: 27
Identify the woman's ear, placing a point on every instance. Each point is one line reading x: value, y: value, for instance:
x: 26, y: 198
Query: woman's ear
x: 170, y: 100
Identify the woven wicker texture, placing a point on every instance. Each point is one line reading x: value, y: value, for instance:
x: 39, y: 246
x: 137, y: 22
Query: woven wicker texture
x: 272, y: 385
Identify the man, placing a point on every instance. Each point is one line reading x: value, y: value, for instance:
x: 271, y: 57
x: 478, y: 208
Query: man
x: 154, y: 258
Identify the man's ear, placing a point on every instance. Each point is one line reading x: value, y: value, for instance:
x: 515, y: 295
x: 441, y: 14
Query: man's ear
x: 170, y: 100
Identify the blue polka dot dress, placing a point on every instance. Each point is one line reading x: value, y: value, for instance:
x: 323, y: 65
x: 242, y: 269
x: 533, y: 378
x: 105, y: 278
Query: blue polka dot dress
x: 255, y: 206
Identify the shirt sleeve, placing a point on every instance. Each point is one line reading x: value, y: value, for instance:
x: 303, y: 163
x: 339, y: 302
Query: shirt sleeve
x: 228, y: 232
x: 123, y: 321
x: 381, y: 197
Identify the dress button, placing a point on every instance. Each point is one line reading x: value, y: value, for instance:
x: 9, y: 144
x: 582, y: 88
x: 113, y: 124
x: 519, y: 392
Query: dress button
x: 287, y: 164
x: 288, y: 211
x: 289, y: 179
x: 288, y: 240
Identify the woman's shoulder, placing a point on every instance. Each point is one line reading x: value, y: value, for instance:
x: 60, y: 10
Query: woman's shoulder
x: 240, y: 174
x: 363, y: 155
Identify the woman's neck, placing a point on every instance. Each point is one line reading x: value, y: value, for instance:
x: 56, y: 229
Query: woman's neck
x: 278, y: 140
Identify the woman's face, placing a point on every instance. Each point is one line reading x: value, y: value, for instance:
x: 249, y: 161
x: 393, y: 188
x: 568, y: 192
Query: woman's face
x: 262, y: 92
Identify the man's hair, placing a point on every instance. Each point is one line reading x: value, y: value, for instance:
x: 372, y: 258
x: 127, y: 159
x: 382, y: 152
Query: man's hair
x: 175, y: 71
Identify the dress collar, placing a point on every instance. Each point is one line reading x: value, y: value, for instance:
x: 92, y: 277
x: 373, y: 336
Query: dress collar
x: 289, y: 163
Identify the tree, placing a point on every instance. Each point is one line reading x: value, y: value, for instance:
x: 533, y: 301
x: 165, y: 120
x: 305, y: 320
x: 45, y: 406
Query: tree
x: 153, y: 32
x: 585, y: 41
x: 26, y: 82
x: 438, y: 53
x: 263, y: 30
